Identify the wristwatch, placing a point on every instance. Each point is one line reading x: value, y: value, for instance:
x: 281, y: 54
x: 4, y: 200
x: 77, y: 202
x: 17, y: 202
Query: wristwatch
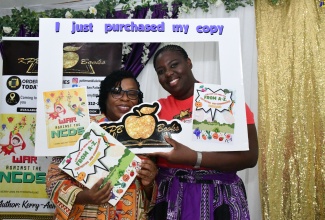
x: 198, y: 160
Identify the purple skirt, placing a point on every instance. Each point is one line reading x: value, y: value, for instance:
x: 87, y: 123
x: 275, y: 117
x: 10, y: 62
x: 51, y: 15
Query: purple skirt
x: 199, y: 195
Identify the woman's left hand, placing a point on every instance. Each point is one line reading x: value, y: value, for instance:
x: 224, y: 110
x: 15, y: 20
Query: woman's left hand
x: 148, y: 171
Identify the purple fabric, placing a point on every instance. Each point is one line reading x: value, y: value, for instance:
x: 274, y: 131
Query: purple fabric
x: 133, y: 60
x: 197, y: 194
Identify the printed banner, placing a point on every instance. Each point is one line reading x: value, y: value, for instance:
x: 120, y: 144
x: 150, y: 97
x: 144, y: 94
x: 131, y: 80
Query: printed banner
x: 84, y: 64
x: 20, y: 57
x: 22, y: 173
x: 91, y: 59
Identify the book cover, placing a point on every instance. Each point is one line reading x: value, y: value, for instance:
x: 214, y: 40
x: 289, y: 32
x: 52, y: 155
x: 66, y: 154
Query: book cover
x: 213, y: 113
x: 98, y: 155
x: 218, y: 119
x: 66, y: 116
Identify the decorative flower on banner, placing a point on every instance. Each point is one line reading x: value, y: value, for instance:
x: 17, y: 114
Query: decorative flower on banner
x: 218, y: 3
x: 130, y: 8
x: 126, y: 49
x: 170, y: 8
x: 7, y: 30
x: 68, y: 14
x: 183, y: 10
x: 130, y: 14
x: 149, y: 14
x: 92, y: 10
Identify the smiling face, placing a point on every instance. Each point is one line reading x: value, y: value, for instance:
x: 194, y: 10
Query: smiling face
x: 175, y: 74
x: 116, y: 108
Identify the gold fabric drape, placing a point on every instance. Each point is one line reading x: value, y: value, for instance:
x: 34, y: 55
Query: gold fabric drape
x: 291, y: 119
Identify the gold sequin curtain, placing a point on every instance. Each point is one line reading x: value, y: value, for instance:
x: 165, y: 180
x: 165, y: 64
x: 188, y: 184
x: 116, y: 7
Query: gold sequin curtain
x: 291, y: 118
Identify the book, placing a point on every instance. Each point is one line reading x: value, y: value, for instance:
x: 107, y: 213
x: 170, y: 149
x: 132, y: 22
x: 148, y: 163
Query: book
x: 98, y: 155
x: 217, y: 120
x: 213, y: 113
x: 66, y: 116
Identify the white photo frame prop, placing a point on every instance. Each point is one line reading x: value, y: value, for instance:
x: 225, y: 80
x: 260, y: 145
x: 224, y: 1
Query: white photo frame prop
x: 55, y: 31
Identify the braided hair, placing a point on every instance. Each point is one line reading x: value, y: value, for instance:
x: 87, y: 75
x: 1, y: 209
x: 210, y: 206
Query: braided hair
x: 114, y: 80
x: 169, y: 47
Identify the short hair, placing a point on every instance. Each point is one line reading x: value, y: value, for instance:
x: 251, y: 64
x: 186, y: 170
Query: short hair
x: 112, y: 80
x: 169, y: 47
x: 16, y: 138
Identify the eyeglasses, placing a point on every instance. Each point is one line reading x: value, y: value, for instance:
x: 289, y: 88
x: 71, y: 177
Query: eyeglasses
x: 118, y: 93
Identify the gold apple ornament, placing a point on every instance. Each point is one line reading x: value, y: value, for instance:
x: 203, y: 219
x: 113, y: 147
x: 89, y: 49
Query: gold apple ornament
x: 141, y: 126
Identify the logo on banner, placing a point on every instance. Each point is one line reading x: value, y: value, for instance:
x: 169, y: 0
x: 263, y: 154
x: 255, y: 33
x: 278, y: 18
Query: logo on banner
x: 71, y: 58
x: 12, y: 98
x: 75, y: 82
x: 90, y: 59
x: 21, y: 62
x: 31, y: 62
x: 13, y: 83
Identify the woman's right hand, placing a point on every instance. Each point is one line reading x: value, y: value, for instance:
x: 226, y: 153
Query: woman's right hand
x: 95, y: 195
x: 180, y: 154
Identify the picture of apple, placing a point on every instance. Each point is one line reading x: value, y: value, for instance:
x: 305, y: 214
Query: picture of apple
x: 141, y: 125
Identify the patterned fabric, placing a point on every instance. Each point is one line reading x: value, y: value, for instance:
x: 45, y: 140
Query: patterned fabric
x: 182, y: 109
x: 203, y: 191
x: 185, y: 193
x: 63, y: 189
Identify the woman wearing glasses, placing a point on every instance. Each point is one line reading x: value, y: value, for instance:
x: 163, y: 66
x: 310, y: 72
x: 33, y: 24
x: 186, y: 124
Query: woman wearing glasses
x: 118, y: 93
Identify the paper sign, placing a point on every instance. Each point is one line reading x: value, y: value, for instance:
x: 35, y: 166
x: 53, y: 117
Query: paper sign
x: 218, y: 120
x: 141, y: 130
x: 66, y: 116
x: 213, y: 113
x: 98, y: 155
